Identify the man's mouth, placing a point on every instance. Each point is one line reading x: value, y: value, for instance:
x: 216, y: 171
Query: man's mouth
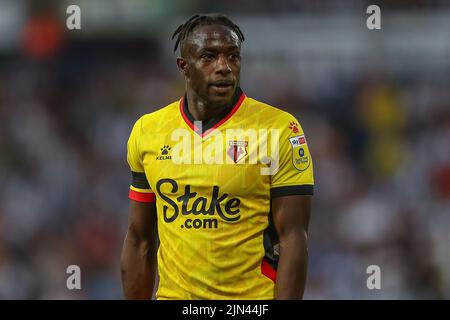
x: 222, y: 84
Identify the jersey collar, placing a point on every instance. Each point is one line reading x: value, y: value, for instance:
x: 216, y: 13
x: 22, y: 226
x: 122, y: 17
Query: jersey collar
x: 215, y: 122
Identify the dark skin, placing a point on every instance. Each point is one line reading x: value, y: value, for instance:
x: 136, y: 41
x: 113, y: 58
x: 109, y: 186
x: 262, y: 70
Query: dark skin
x: 211, y: 62
x: 138, y: 261
x: 291, y: 218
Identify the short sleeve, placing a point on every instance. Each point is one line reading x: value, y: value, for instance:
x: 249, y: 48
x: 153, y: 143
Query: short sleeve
x: 295, y: 171
x: 140, y: 189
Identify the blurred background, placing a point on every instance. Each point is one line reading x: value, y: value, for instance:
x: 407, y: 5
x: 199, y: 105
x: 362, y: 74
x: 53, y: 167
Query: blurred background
x: 375, y: 105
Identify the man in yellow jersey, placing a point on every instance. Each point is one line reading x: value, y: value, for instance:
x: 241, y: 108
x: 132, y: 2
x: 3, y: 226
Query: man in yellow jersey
x: 221, y: 184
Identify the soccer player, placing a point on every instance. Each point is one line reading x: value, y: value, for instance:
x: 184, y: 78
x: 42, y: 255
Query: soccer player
x: 223, y: 228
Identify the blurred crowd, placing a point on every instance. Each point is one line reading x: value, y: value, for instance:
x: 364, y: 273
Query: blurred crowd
x: 380, y: 145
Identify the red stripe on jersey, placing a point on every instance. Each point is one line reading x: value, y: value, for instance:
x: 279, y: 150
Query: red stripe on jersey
x: 141, y: 196
x: 188, y: 122
x: 228, y: 116
x: 268, y: 271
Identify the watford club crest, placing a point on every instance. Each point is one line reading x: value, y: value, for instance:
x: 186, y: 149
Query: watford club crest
x: 237, y: 150
x: 300, y: 152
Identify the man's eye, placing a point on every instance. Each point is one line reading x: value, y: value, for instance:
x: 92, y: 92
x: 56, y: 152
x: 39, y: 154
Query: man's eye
x: 207, y: 56
x: 235, y: 57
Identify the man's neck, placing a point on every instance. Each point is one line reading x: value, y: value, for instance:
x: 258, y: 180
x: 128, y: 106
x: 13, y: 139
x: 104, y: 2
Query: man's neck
x: 201, y: 110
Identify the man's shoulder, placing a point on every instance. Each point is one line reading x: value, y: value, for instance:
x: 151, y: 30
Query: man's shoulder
x: 160, y: 116
x: 272, y: 114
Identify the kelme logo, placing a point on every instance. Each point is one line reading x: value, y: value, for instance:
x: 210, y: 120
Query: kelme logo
x: 165, y: 153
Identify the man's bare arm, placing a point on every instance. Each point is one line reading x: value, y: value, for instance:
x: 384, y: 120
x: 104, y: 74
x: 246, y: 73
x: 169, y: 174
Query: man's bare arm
x: 291, y: 218
x: 138, y: 262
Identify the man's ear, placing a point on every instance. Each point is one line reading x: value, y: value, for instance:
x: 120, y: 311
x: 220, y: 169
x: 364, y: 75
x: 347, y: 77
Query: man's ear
x: 183, y: 66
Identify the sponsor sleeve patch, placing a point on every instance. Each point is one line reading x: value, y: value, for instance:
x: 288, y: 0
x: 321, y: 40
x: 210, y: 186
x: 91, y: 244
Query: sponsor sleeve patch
x: 300, y: 153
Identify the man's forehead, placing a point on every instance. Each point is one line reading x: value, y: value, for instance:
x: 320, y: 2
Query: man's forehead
x: 210, y: 35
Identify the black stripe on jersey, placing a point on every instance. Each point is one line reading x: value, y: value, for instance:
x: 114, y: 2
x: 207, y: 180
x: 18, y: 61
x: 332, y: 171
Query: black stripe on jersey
x: 139, y: 180
x: 306, y: 190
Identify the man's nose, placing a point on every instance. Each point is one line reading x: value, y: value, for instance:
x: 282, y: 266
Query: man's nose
x: 222, y: 64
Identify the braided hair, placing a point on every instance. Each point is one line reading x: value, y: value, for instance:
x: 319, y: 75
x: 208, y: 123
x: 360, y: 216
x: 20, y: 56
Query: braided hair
x: 184, y: 29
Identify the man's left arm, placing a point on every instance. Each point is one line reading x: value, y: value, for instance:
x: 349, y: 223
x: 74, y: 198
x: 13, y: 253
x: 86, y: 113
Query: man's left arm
x: 292, y: 188
x: 291, y: 219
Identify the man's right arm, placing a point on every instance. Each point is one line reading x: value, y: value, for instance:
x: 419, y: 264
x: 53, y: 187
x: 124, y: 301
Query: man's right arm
x: 138, y: 261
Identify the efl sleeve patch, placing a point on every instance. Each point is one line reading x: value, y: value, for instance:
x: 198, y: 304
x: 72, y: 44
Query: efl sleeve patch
x: 295, y: 169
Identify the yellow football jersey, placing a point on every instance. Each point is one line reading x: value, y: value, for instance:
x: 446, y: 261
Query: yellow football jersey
x: 213, y: 184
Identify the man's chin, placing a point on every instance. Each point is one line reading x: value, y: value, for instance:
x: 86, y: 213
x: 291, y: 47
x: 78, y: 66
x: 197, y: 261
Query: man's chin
x: 220, y: 101
x: 221, y: 96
